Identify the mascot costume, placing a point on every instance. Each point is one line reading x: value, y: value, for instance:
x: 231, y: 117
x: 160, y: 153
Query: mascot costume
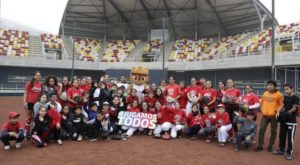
x: 139, y: 77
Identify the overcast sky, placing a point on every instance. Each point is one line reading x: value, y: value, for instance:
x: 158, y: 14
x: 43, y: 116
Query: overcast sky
x: 46, y: 15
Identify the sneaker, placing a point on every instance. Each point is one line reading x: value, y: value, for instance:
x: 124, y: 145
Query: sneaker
x: 74, y: 135
x: 237, y: 149
x: 157, y: 136
x: 125, y: 137
x: 45, y: 144
x: 59, y: 142
x: 193, y: 137
x: 7, y: 147
x: 221, y: 144
x: 270, y: 149
x: 207, y: 140
x: 288, y: 157
x: 79, y: 138
x: 92, y: 140
x: 18, y: 145
x: 150, y: 133
x: 278, y: 152
x: 258, y: 149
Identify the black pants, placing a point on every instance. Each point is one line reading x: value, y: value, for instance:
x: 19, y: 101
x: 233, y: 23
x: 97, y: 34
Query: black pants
x: 192, y: 131
x: 66, y: 130
x: 93, y: 130
x: 230, y: 110
x: 5, y: 137
x: 79, y: 129
x: 290, y: 131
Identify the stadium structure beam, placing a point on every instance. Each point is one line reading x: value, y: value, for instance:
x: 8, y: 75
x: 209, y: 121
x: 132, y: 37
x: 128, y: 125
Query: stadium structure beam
x: 150, y: 19
x: 169, y: 18
x: 235, y: 4
x: 241, y: 20
x: 85, y: 5
x: 260, y: 5
x: 262, y: 18
x: 221, y: 23
x: 123, y: 18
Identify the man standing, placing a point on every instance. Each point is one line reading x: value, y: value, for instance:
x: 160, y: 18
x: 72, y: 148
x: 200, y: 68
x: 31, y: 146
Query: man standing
x: 271, y: 103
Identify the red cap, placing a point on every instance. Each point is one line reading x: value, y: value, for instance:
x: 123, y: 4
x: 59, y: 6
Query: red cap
x: 220, y: 105
x: 13, y: 115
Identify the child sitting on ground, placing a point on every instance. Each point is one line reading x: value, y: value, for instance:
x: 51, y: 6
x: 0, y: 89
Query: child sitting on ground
x: 209, y: 124
x: 247, y: 130
x: 12, y: 130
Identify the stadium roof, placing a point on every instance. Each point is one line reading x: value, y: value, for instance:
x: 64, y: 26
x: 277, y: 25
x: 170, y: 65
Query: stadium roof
x: 135, y: 18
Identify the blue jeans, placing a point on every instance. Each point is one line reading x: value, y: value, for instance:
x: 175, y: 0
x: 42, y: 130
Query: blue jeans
x: 5, y: 137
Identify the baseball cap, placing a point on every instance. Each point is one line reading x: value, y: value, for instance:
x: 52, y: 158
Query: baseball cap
x: 220, y: 106
x: 13, y: 115
x: 105, y: 103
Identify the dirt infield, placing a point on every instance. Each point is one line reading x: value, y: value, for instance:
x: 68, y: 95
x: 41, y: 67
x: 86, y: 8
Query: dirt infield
x: 137, y: 150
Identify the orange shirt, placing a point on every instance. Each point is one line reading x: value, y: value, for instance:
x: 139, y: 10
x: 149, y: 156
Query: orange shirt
x: 270, y: 102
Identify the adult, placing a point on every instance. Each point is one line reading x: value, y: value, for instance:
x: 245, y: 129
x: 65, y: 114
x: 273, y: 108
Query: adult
x: 74, y: 96
x: 271, y: 103
x: 51, y: 87
x: 220, y: 92
x: 123, y: 82
x: 33, y: 89
x: 250, y: 101
x: 193, y: 95
x: 208, y: 97
x: 183, y: 99
x: 100, y: 94
x: 62, y: 94
x: 173, y: 90
x: 231, y: 99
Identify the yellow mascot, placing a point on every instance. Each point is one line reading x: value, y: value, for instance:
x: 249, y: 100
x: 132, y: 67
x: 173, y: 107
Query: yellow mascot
x: 139, y: 77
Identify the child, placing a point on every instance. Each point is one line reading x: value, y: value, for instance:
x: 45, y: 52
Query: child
x: 40, y: 130
x: 145, y: 109
x: 12, y: 130
x: 209, y: 124
x: 288, y: 121
x: 247, y: 130
x: 42, y: 102
x: 111, y: 115
x: 55, y: 119
x: 194, y: 121
x: 53, y: 99
x: 78, y: 124
x: 223, y: 124
x: 91, y: 111
x: 165, y: 121
x: 179, y: 118
x: 66, y: 123
x: 99, y: 124
x: 131, y: 130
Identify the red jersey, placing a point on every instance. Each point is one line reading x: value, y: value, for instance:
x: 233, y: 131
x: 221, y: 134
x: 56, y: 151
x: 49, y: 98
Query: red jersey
x: 33, y: 92
x: 162, y: 100
x: 223, y: 119
x: 194, y: 91
x: 219, y: 97
x: 211, y: 94
x: 172, y: 90
x: 72, y: 93
x: 179, y: 116
x: 7, y: 126
x: 165, y: 115
x: 134, y: 109
x: 183, y: 99
x: 150, y: 101
x: 207, y: 118
x: 55, y: 118
x: 84, y: 88
x: 130, y: 99
x: 233, y: 94
x: 110, y: 114
x: 194, y: 120
x: 250, y: 99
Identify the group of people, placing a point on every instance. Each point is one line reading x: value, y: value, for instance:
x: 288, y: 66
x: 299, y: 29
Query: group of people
x: 83, y: 108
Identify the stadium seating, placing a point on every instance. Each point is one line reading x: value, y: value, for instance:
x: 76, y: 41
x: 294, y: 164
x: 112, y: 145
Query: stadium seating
x: 255, y: 44
x: 118, y: 50
x: 189, y: 50
x: 286, y: 31
x: 153, y: 46
x: 14, y: 43
x: 88, y: 48
x: 51, y: 41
